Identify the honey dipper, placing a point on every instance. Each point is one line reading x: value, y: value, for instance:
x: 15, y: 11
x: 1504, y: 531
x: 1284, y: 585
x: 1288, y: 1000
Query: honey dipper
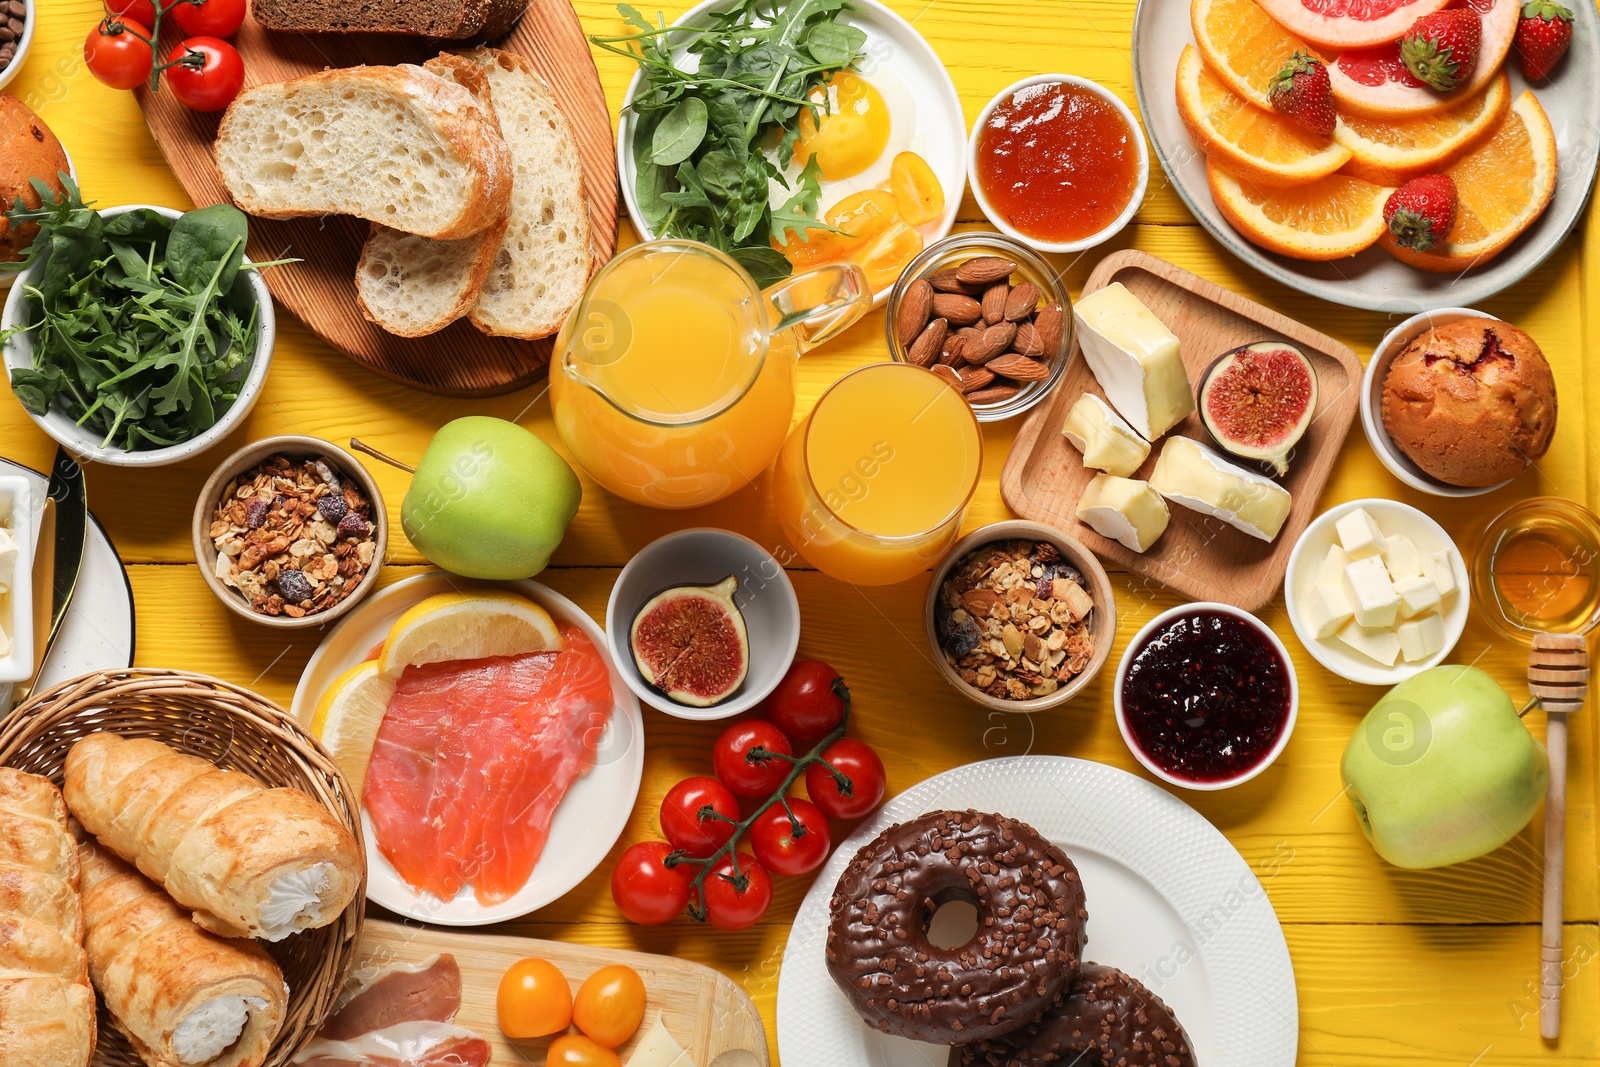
x: 1558, y: 679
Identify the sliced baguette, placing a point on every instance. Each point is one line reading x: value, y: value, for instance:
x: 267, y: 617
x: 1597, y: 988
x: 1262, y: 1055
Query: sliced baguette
x: 413, y: 286
x: 396, y: 145
x: 543, y: 264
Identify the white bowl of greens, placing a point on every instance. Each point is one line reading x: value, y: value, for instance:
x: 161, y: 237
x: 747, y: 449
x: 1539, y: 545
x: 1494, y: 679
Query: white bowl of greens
x: 138, y: 335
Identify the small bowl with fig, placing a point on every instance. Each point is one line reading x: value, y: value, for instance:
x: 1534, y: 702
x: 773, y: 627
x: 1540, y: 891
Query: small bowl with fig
x: 703, y: 623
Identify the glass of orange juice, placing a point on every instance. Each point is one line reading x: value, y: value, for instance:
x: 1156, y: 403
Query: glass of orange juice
x: 870, y: 486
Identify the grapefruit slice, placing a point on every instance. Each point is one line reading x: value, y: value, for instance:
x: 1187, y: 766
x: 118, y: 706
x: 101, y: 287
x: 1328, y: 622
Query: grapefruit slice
x: 1393, y: 151
x: 1341, y: 24
x: 1373, y: 81
x: 1328, y: 219
x: 1242, y: 45
x: 1257, y: 145
x: 1504, y: 185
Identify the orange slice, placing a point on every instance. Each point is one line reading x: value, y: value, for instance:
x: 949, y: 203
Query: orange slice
x: 1242, y: 45
x: 1504, y: 185
x: 1254, y: 144
x: 1391, y: 151
x: 1328, y: 219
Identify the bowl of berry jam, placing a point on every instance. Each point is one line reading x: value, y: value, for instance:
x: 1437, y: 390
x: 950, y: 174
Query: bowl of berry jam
x: 1206, y: 696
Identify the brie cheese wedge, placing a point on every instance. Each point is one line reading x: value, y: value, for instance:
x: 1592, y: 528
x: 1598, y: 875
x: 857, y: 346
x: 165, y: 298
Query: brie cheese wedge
x: 1127, y: 511
x: 1106, y: 441
x: 1191, y: 474
x: 1135, y: 359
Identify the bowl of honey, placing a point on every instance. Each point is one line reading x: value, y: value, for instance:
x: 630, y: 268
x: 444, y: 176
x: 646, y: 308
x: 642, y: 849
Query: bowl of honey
x: 1058, y: 162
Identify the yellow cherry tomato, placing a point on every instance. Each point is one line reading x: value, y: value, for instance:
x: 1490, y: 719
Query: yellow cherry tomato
x: 610, y: 1005
x: 917, y: 188
x: 575, y: 1050
x: 534, y: 1000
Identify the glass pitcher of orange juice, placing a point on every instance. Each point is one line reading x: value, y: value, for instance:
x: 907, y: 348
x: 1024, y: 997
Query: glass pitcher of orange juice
x: 672, y: 382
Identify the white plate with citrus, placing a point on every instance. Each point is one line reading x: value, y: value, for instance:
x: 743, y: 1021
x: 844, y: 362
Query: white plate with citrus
x: 1307, y: 211
x: 348, y: 684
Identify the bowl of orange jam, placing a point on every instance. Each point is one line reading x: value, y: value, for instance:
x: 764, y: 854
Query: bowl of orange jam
x: 1058, y: 162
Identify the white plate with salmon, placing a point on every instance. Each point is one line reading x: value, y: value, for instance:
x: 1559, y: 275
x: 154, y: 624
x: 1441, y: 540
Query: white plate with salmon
x: 494, y: 745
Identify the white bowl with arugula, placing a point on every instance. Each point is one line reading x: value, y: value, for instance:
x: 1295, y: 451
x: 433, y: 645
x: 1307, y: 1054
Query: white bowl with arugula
x: 138, y: 335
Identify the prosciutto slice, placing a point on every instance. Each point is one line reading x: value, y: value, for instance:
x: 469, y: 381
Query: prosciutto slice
x: 402, y: 1016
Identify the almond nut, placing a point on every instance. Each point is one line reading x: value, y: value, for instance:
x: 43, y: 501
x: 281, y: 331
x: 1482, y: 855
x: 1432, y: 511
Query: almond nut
x: 959, y: 309
x: 1027, y: 342
x: 916, y: 308
x: 945, y: 281
x: 974, y: 378
x: 985, y: 270
x: 1019, y: 368
x: 1021, y: 302
x: 947, y: 375
x: 929, y: 343
x: 993, y: 394
x: 994, y: 302
x: 954, y: 349
x: 1051, y: 322
x: 995, y: 340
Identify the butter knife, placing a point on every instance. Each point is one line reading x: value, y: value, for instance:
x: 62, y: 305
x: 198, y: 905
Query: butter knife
x: 68, y: 504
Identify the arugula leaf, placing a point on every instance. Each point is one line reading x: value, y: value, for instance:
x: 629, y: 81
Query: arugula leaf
x: 798, y: 214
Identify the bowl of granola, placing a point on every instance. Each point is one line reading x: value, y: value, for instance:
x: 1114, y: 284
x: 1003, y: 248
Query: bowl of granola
x: 290, y: 532
x: 1020, y: 616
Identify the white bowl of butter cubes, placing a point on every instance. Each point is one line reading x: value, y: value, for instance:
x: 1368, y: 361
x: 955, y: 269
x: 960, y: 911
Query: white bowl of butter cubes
x: 16, y: 591
x: 1376, y: 591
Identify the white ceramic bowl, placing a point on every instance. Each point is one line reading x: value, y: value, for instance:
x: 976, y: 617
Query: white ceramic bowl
x: 1122, y: 676
x: 85, y: 445
x: 30, y: 20
x: 1394, y: 342
x: 705, y: 556
x: 1392, y: 518
x: 16, y: 515
x: 999, y: 220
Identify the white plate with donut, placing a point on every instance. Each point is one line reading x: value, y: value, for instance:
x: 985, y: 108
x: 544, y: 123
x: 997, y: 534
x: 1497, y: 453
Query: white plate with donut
x: 1170, y: 902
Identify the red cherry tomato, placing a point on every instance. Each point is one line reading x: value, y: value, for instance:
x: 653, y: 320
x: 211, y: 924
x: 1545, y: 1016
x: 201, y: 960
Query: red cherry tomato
x: 734, y: 901
x: 856, y: 762
x: 782, y: 848
x: 681, y: 817
x: 757, y: 776
x: 141, y: 11
x: 810, y: 702
x: 646, y: 890
x: 115, y: 55
x: 212, y: 86
x: 208, y: 18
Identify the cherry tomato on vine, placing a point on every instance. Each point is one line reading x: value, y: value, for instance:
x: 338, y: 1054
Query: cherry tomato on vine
x: 781, y: 848
x: 534, y: 1000
x: 575, y: 1050
x: 736, y: 901
x: 208, y: 18
x: 212, y: 86
x: 808, y: 704
x: 758, y: 778
x: 610, y: 1005
x: 857, y: 762
x: 115, y: 55
x: 141, y: 11
x: 646, y: 890
x: 681, y: 821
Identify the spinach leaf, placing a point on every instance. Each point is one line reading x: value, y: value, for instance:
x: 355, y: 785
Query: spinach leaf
x: 208, y: 243
x: 680, y: 133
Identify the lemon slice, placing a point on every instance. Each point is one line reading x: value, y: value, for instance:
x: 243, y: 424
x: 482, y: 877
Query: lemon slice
x: 461, y: 626
x: 348, y: 716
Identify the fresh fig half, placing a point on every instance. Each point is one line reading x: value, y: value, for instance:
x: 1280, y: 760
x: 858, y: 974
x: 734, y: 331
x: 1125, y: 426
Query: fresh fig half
x: 1257, y: 401
x: 690, y: 642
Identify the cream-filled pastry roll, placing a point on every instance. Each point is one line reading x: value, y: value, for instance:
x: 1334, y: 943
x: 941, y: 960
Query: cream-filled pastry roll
x: 247, y: 859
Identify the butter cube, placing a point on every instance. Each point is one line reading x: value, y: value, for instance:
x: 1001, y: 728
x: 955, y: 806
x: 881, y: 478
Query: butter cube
x: 1379, y: 644
x: 1106, y: 441
x: 1421, y: 637
x: 1372, y: 595
x: 1127, y: 511
x: 1327, y: 609
x: 1417, y: 595
x: 1440, y: 571
x: 1402, y: 558
x: 1359, y: 535
x: 1135, y: 359
x: 8, y: 560
x: 1333, y: 564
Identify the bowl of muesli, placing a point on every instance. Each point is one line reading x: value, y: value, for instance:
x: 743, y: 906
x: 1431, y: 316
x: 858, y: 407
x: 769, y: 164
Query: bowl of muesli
x: 1020, y: 616
x: 290, y: 532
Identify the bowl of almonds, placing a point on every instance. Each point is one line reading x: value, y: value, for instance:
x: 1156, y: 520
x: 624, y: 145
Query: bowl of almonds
x: 986, y: 314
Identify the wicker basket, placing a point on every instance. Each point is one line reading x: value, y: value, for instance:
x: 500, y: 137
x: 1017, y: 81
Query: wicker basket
x: 233, y: 728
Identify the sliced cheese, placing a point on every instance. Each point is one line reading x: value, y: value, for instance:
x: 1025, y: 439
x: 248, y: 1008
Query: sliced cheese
x: 1125, y: 510
x: 1372, y: 595
x: 1438, y: 569
x: 1359, y: 534
x: 658, y: 1049
x: 1191, y: 474
x: 1106, y: 441
x: 1417, y: 595
x: 1135, y: 359
x: 1421, y: 637
x: 1381, y: 645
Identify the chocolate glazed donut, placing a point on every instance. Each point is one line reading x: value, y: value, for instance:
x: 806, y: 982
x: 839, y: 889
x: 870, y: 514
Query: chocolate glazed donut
x: 1024, y: 955
x: 1107, y: 1019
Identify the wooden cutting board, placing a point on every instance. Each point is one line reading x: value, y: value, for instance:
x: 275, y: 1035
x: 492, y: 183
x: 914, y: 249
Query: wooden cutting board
x: 711, y: 1017
x: 1199, y: 556
x: 320, y: 290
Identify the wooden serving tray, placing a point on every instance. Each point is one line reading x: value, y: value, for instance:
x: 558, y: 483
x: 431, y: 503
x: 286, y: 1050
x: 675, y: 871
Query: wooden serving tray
x: 320, y: 290
x: 703, y: 1009
x: 1199, y: 556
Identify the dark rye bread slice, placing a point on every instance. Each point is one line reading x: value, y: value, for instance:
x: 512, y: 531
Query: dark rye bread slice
x: 455, y: 20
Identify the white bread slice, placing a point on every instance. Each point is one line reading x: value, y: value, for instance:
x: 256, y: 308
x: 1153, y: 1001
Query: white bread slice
x: 413, y: 286
x: 544, y: 259
x: 396, y: 145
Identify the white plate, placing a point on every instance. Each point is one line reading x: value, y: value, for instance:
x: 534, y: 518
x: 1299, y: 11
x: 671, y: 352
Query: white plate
x: 1374, y: 279
x: 590, y: 818
x: 893, y: 45
x: 1170, y: 902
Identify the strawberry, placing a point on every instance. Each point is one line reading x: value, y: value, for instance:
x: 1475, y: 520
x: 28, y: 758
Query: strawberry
x: 1421, y: 212
x: 1543, y: 32
x: 1441, y: 48
x: 1300, y: 93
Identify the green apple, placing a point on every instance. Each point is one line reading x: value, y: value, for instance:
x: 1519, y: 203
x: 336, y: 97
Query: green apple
x: 1442, y: 770
x: 489, y: 500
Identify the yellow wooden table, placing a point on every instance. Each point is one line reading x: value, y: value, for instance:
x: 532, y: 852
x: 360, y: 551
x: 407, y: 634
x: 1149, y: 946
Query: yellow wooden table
x: 1394, y: 967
